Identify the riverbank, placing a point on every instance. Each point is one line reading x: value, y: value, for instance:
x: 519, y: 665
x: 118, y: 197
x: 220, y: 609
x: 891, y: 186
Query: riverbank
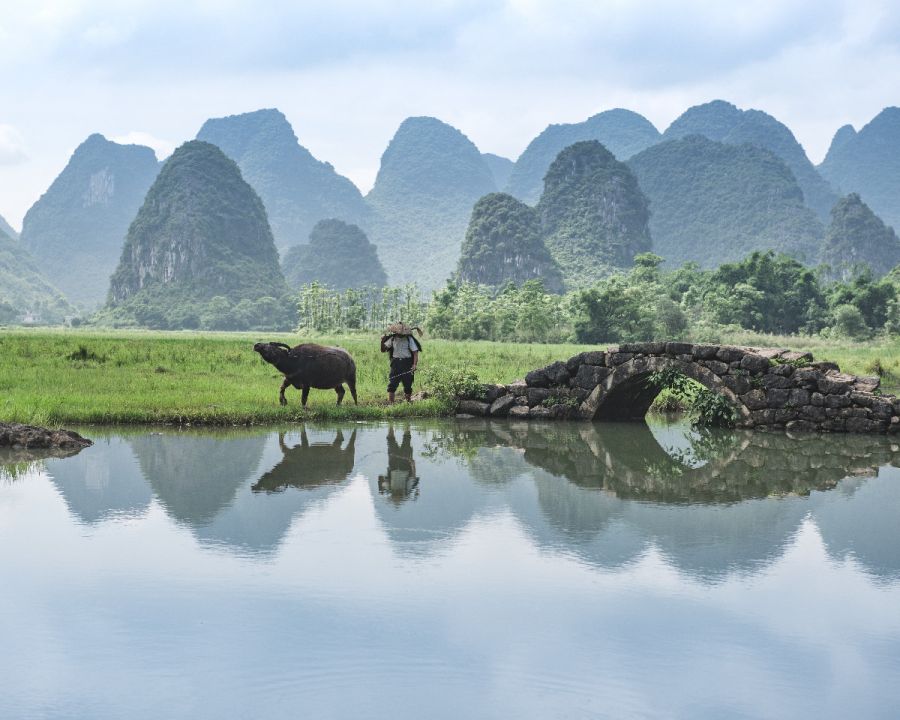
x: 54, y: 377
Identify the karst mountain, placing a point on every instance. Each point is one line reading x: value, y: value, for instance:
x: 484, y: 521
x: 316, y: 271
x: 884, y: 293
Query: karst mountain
x: 338, y: 255
x: 25, y: 294
x: 857, y: 239
x: 622, y: 132
x: 201, y: 235
x: 297, y: 189
x: 76, y: 229
x: 7, y: 229
x: 712, y: 203
x: 429, y: 179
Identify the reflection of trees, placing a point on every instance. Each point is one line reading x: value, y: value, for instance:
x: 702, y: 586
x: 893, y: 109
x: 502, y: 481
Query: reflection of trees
x: 310, y: 465
x: 15, y: 463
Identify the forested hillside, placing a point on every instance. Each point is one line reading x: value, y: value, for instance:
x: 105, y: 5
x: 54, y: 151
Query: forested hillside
x: 504, y: 244
x: 76, y: 229
x: 723, y: 122
x: 857, y: 239
x: 593, y: 215
x: 712, y: 203
x: 622, y: 132
x: 296, y: 189
x: 24, y: 291
x: 199, y: 249
x: 338, y: 255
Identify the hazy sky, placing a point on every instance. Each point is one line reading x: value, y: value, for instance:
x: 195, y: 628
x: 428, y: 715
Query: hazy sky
x: 347, y: 72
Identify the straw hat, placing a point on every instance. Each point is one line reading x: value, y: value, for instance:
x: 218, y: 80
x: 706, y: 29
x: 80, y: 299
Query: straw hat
x: 401, y: 328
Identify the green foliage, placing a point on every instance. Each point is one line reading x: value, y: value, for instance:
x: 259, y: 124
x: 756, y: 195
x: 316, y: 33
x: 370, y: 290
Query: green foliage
x: 24, y: 289
x: 518, y: 314
x: 447, y: 383
x: 850, y: 323
x: 706, y: 407
x: 338, y: 255
x: 504, y: 244
x: 713, y: 203
x: 75, y: 230
x: 593, y: 214
x: 871, y: 298
x: 297, y: 189
x: 857, y: 240
x: 322, y: 309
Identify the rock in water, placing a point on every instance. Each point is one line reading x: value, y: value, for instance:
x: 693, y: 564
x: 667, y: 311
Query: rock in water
x: 296, y: 189
x: 713, y: 203
x: 723, y: 122
x: 430, y: 177
x: 76, y: 229
x: 201, y: 234
x: 868, y: 163
x: 858, y: 237
x: 15, y: 435
x: 623, y: 132
x: 25, y: 294
x: 593, y: 215
x: 504, y: 244
x: 338, y: 255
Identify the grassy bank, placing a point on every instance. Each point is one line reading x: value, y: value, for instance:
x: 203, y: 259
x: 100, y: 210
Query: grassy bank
x: 54, y: 377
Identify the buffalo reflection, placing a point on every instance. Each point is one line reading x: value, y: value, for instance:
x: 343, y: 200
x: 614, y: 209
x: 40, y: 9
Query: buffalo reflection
x: 310, y: 465
x: 400, y: 482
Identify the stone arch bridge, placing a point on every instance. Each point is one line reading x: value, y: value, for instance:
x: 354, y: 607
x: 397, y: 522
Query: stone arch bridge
x: 768, y: 387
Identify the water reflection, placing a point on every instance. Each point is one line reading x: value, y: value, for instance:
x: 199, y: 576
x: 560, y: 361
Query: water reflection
x: 401, y: 482
x: 310, y: 465
x: 712, y: 503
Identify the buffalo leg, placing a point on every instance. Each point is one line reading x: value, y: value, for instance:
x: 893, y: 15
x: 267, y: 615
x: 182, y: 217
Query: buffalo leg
x: 304, y: 394
x: 340, y: 393
x: 284, y: 386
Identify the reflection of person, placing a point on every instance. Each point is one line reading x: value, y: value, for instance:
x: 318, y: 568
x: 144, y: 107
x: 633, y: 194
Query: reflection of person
x: 404, y: 354
x: 401, y: 480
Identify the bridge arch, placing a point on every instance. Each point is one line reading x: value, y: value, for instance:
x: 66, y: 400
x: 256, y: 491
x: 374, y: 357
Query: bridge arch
x: 629, y: 390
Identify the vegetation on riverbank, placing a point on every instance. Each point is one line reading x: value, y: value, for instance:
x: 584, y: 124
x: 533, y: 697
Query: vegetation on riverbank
x: 52, y: 377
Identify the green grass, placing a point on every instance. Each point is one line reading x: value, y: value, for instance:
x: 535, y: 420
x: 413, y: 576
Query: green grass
x: 55, y: 377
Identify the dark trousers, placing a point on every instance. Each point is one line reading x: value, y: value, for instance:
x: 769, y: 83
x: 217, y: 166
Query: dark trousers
x: 401, y: 373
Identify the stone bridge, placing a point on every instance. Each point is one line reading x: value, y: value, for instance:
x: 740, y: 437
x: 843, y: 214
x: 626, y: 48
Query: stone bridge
x: 768, y: 387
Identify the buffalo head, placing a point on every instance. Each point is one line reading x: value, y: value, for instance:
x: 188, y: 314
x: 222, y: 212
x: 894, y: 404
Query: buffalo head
x: 272, y: 352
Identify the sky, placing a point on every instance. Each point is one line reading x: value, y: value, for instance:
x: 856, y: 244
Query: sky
x: 347, y: 72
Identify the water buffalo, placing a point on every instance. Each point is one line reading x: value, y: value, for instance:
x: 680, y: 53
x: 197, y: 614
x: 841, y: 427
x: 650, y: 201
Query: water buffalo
x: 311, y: 366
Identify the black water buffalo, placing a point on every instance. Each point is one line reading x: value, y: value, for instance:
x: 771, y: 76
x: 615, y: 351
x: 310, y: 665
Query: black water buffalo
x: 311, y: 366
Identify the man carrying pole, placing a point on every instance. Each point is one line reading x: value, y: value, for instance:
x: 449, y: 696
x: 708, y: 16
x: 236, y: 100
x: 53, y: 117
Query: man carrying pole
x: 404, y: 354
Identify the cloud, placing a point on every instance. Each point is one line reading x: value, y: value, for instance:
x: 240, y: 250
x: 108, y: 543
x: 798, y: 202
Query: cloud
x: 12, y: 146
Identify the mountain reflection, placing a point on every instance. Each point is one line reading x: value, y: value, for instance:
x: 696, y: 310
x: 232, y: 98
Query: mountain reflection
x: 711, y: 503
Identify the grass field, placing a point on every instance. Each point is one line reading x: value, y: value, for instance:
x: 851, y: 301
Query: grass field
x: 54, y: 377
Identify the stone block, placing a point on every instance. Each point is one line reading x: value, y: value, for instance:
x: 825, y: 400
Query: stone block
x: 618, y: 358
x: 489, y: 393
x: 777, y: 397
x: 813, y: 413
x: 835, y: 383
x: 643, y: 348
x: 573, y: 363
x: 519, y: 411
x: 785, y: 415
x: 833, y: 425
x: 800, y: 426
x: 537, y: 395
x: 679, y: 348
x: 837, y: 401
x: 755, y: 364
x: 807, y: 377
x: 557, y: 373
x: 738, y: 384
x: 825, y: 366
x: 861, y: 425
x: 729, y: 354
x: 502, y: 405
x: 540, y: 413
x: 882, y: 409
x: 771, y: 381
x: 705, y: 352
x: 860, y: 398
x: 762, y: 417
x: 794, y: 357
x: 867, y: 384
x: 518, y: 388
x: 537, y: 378
x: 755, y: 400
x: 473, y: 407
x: 799, y: 397
x: 783, y: 370
x: 817, y: 398
x: 719, y: 368
x: 594, y: 357
x: 589, y: 375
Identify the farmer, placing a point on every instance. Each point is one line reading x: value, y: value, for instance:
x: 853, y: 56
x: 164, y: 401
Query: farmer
x: 404, y: 354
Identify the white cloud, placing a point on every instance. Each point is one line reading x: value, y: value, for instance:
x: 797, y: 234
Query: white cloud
x: 12, y: 146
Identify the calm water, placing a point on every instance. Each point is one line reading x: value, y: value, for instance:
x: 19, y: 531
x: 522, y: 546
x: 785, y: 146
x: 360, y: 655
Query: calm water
x: 481, y: 570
